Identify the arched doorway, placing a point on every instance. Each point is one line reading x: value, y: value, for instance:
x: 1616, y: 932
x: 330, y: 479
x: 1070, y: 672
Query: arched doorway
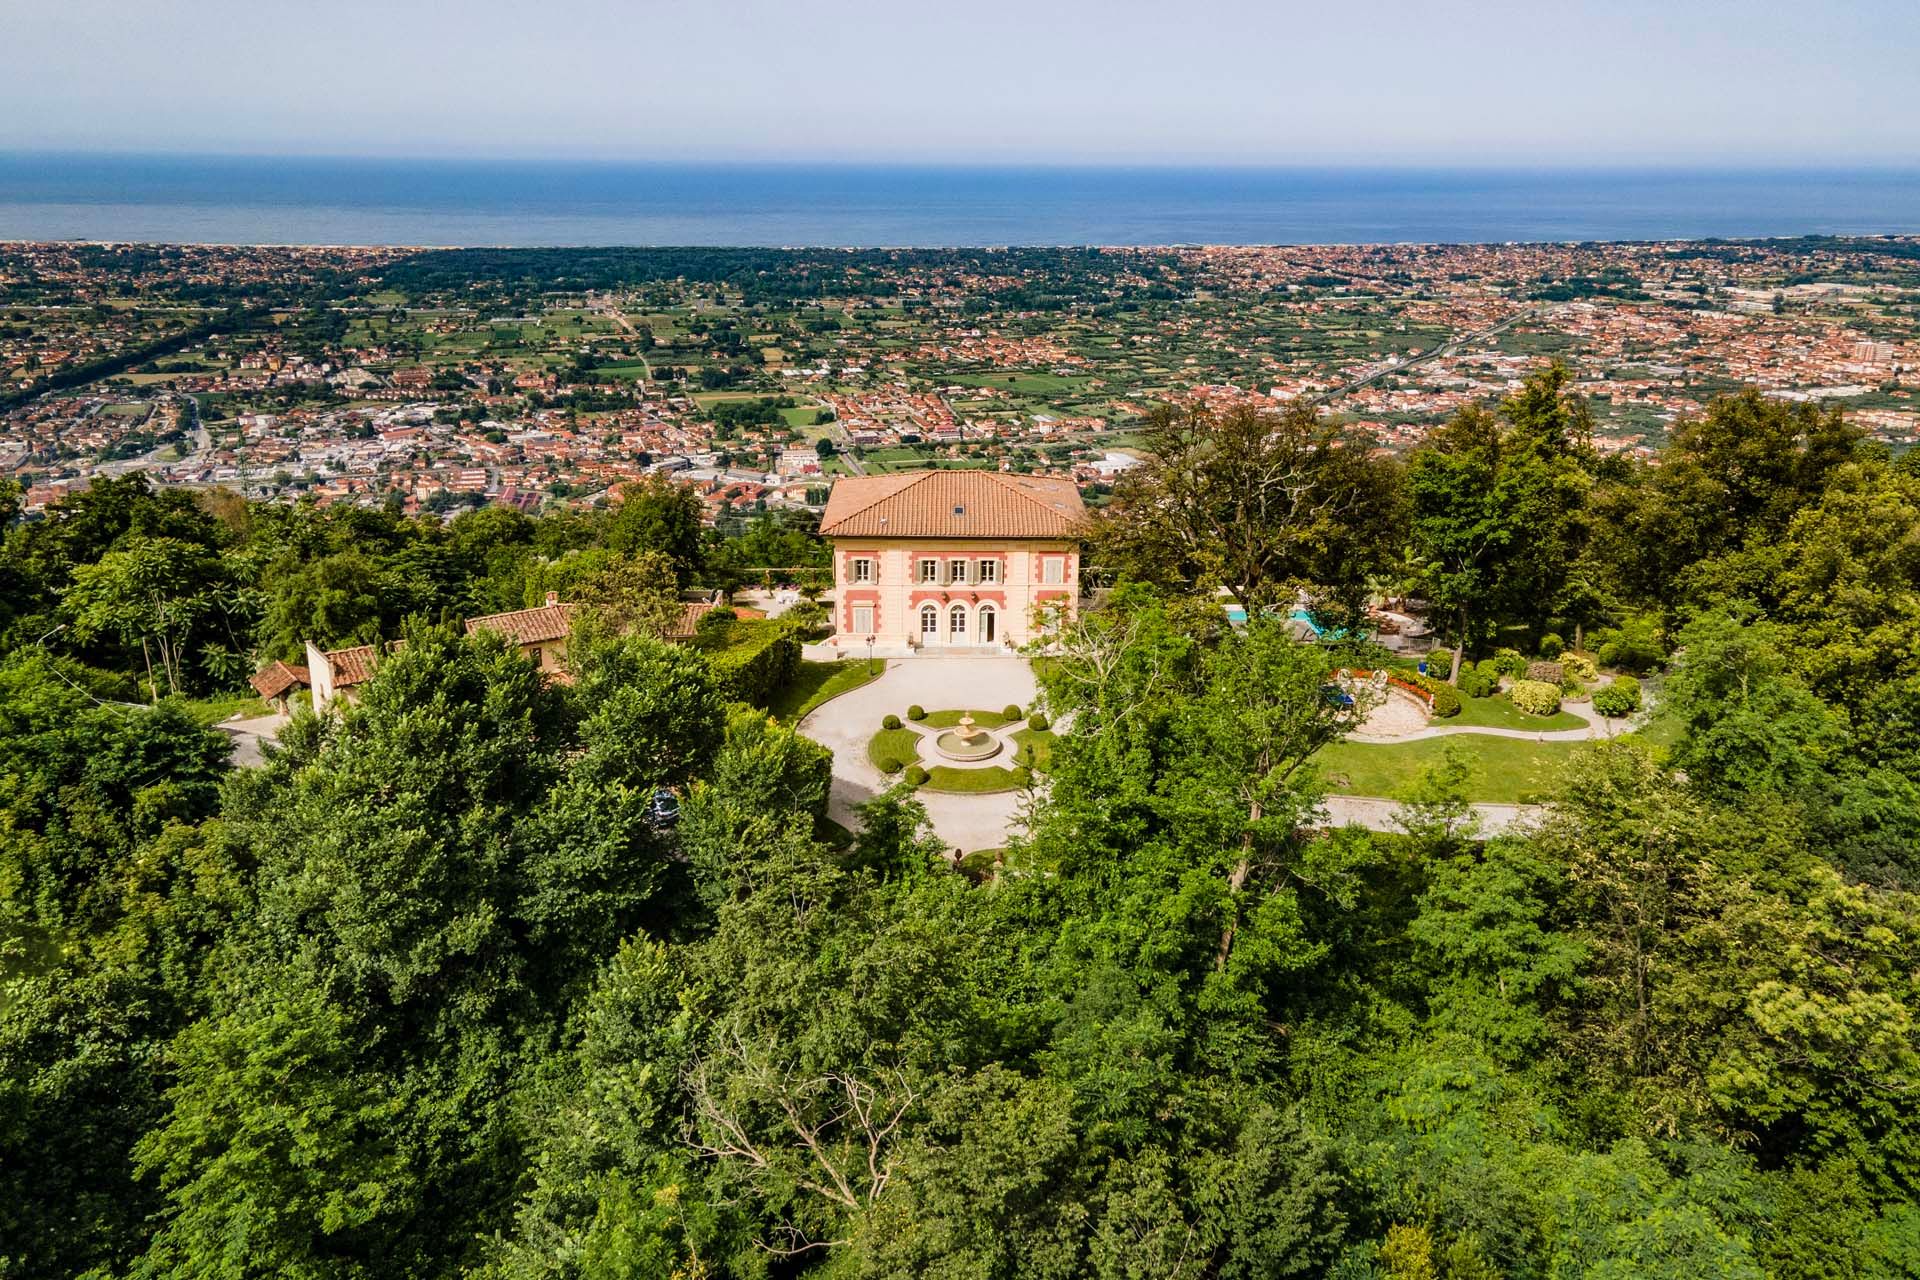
x: 929, y: 625
x: 989, y: 623
x: 957, y: 624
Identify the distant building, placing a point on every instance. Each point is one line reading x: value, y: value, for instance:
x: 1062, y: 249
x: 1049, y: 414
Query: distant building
x: 946, y: 560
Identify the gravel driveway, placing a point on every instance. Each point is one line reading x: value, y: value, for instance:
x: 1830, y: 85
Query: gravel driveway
x: 845, y: 725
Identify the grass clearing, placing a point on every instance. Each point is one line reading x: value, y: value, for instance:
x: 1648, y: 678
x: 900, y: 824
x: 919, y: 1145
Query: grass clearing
x: 816, y: 682
x: 973, y: 781
x: 890, y: 745
x: 1497, y: 712
x: 1505, y: 770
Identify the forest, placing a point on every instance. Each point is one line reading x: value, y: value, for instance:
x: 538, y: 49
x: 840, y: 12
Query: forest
x: 434, y: 993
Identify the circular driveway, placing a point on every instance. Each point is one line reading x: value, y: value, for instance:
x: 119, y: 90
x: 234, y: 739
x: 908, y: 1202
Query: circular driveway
x: 847, y: 723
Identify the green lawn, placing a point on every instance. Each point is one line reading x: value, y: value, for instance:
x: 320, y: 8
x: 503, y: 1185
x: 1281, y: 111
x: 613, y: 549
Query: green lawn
x: 977, y: 781
x: 1038, y: 746
x: 948, y: 719
x: 816, y: 682
x: 897, y: 744
x: 1506, y: 770
x: 1498, y: 713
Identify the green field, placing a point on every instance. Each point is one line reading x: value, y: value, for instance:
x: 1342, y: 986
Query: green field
x: 1505, y: 770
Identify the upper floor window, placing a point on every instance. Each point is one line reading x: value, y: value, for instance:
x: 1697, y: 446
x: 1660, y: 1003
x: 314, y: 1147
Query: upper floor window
x: 989, y: 571
x: 1053, y: 570
x: 957, y: 571
x: 929, y: 571
x: 862, y: 569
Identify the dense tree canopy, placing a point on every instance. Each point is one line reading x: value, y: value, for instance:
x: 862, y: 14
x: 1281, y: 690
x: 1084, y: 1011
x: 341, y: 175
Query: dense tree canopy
x: 445, y: 988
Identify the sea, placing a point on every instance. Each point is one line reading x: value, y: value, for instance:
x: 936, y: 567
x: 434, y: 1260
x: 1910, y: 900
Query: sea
x: 435, y: 202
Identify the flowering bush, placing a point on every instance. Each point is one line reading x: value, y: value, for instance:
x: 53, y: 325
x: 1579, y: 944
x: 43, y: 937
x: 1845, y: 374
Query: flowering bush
x: 1535, y: 697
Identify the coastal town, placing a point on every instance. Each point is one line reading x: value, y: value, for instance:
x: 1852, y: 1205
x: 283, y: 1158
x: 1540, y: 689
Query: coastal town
x: 441, y: 380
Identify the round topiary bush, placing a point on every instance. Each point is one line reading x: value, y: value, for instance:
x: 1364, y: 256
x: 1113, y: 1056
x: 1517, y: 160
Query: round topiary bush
x: 1619, y: 698
x: 916, y: 712
x: 891, y: 764
x: 1545, y: 673
x: 1446, y: 700
x: 917, y: 776
x: 1535, y: 697
x: 1490, y: 668
x: 891, y: 722
x: 1552, y: 646
x: 1010, y: 713
x: 1475, y: 683
x: 1037, y: 720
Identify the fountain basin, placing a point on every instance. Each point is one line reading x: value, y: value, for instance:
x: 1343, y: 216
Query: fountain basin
x: 965, y: 747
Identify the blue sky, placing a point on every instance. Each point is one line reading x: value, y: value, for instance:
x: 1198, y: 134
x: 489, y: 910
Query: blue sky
x: 1724, y: 82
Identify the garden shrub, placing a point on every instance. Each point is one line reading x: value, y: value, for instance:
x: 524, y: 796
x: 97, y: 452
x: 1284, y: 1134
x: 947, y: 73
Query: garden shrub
x: 1510, y: 662
x: 1620, y: 698
x: 890, y: 722
x: 891, y: 764
x: 1491, y: 669
x: 917, y: 776
x: 1545, y: 673
x: 1475, y: 683
x: 1579, y: 666
x: 755, y: 660
x: 1446, y: 698
x: 1022, y: 776
x: 1535, y: 697
x: 1633, y: 646
x: 1552, y: 646
x: 1010, y: 712
x: 916, y: 712
x: 1037, y: 720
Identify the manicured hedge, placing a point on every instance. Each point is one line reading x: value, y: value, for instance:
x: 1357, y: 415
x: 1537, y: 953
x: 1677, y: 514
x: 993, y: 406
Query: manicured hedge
x: 890, y: 721
x: 755, y: 660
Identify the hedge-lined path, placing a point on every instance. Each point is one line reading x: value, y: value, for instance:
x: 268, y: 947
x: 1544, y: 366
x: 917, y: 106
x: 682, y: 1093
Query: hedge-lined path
x: 844, y: 725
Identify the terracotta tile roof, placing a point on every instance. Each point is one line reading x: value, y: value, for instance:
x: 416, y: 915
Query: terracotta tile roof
x: 351, y: 666
x: 690, y: 615
x: 277, y: 677
x: 952, y: 504
x: 541, y: 625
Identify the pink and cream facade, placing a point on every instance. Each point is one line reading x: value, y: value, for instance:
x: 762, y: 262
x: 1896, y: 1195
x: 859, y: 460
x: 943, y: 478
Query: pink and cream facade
x: 946, y: 560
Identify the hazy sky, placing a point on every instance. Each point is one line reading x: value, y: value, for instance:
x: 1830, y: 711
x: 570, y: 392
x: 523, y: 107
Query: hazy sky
x: 1502, y: 81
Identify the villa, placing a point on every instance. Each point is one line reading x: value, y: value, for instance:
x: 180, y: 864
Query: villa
x: 950, y: 560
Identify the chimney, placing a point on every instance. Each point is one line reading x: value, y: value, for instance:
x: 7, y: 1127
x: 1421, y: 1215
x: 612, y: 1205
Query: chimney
x: 553, y: 597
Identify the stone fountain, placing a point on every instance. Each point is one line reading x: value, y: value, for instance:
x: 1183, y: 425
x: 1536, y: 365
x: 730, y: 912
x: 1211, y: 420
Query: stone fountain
x: 966, y: 741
